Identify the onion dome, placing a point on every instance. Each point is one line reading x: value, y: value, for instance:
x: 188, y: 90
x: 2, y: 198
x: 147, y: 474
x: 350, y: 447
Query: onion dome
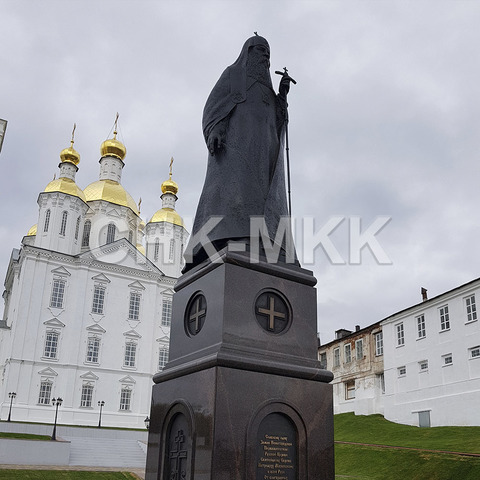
x: 110, y: 191
x: 169, y: 186
x: 33, y: 231
x: 65, y: 185
x: 70, y: 155
x: 167, y: 215
x: 113, y: 148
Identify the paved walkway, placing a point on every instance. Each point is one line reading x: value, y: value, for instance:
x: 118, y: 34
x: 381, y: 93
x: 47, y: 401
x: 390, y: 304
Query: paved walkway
x: 138, y: 472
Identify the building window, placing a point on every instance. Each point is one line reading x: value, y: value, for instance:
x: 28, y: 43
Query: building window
x: 400, y: 335
x: 166, y: 312
x: 171, y: 255
x: 98, y: 299
x: 77, y: 228
x: 125, y: 398
x: 58, y: 291
x: 402, y: 371
x: 134, y: 307
x: 162, y: 357
x: 471, y: 308
x: 111, y: 233
x: 379, y: 344
x: 93, y: 349
x: 51, y: 345
x: 423, y: 365
x: 447, y: 359
x: 130, y: 354
x: 156, y: 249
x: 474, y: 352
x: 86, y: 233
x: 63, y: 225
x: 359, y: 349
x: 45, y: 392
x: 350, y: 390
x: 87, y: 394
x: 336, y: 357
x: 444, y: 318
x: 421, y: 330
x: 47, y: 221
x: 348, y: 353
x: 323, y: 360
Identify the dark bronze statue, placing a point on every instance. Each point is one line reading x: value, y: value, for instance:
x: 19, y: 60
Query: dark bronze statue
x: 244, y: 125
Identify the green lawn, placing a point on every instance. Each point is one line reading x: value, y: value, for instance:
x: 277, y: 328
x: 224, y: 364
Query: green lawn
x: 63, y: 475
x: 357, y: 462
x: 23, y: 436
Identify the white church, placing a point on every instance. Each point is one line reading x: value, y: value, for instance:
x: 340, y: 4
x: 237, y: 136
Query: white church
x: 88, y: 306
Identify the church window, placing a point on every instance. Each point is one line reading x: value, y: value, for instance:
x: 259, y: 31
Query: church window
x: 379, y: 344
x: 63, y: 225
x: 130, y: 236
x: 156, y: 249
x: 86, y: 396
x: 181, y: 254
x: 421, y: 329
x: 171, y: 255
x: 400, y: 334
x: 134, y: 307
x: 47, y: 221
x: 166, y: 312
x: 111, y: 233
x: 93, y: 349
x: 58, y: 291
x: 130, y: 354
x: 51, y: 345
x: 86, y: 233
x: 45, y: 392
x: 77, y: 228
x: 471, y: 308
x: 98, y: 299
x: 125, y: 398
x: 162, y: 357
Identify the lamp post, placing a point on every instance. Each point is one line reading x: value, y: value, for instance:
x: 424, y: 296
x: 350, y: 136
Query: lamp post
x: 147, y: 422
x: 56, y: 402
x: 11, y: 395
x: 101, y: 404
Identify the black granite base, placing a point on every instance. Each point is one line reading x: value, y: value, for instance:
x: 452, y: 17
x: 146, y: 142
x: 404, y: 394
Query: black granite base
x: 243, y: 395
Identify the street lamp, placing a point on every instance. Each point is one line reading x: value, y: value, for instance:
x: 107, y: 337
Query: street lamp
x: 147, y: 422
x: 11, y: 395
x: 101, y: 404
x: 56, y: 403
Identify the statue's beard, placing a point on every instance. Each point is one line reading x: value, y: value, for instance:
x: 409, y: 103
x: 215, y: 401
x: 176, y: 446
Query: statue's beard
x: 258, y: 68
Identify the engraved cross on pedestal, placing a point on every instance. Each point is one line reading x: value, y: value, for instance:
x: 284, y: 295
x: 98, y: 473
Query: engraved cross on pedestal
x: 274, y: 314
x: 176, y: 456
x: 195, y: 314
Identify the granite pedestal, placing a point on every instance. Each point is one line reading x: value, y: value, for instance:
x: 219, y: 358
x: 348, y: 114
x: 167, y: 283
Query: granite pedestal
x: 243, y: 396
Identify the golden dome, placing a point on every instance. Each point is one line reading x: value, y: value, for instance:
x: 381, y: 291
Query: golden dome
x: 167, y: 215
x: 33, y: 231
x: 169, y: 186
x: 141, y: 248
x: 65, y: 185
x: 113, y: 148
x: 70, y: 155
x: 110, y: 191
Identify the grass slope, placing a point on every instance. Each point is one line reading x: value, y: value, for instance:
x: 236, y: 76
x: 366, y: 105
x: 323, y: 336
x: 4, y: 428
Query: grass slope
x: 63, y: 475
x: 23, y: 436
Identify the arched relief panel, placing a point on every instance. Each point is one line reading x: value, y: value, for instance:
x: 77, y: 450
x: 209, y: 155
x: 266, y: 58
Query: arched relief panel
x: 276, y: 444
x: 177, y: 452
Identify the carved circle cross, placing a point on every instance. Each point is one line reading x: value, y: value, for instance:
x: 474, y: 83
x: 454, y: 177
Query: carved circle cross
x: 272, y: 312
x: 195, y: 314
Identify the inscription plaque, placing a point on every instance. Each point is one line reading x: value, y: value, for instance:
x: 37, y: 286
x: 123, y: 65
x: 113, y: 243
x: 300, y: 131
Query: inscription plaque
x: 277, y: 448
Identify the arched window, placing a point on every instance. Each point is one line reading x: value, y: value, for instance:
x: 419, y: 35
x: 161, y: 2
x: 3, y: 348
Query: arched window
x: 47, y: 221
x: 172, y: 249
x: 77, y: 228
x: 156, y: 250
x: 111, y: 233
x: 86, y: 233
x: 63, y: 225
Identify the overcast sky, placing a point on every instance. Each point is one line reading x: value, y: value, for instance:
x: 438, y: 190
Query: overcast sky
x: 384, y: 122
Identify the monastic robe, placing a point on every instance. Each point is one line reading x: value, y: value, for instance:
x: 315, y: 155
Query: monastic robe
x: 246, y: 175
